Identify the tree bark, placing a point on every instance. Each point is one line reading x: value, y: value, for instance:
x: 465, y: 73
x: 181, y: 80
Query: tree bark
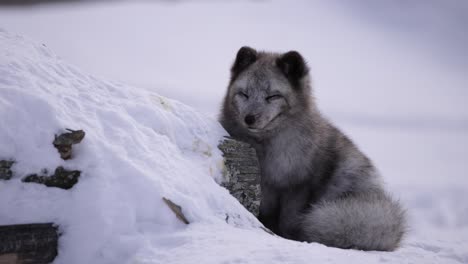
x: 28, y: 243
x: 242, y: 173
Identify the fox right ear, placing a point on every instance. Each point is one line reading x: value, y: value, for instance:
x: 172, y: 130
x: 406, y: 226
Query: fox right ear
x: 245, y: 57
x: 293, y: 66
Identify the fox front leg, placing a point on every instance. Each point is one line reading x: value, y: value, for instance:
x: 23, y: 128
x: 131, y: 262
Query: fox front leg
x: 269, y: 208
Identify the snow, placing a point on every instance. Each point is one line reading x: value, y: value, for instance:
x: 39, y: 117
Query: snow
x: 139, y: 147
x: 401, y: 101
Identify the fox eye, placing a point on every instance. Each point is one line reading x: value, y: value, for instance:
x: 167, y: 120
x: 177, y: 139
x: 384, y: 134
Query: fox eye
x: 274, y: 97
x: 243, y: 95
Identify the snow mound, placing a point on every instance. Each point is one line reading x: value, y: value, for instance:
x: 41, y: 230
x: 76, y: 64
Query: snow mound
x: 138, y: 147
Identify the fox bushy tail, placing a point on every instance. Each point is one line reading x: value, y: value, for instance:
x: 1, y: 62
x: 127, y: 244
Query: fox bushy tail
x: 365, y: 221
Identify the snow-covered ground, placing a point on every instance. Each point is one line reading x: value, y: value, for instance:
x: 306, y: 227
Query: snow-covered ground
x: 403, y: 103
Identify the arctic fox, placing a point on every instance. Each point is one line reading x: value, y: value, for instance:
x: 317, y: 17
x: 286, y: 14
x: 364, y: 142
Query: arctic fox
x: 316, y: 185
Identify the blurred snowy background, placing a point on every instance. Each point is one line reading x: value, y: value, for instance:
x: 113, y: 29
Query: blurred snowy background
x: 392, y: 74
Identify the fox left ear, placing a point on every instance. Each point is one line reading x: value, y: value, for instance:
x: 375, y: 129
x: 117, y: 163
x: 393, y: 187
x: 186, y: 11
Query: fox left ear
x: 244, y: 58
x: 293, y: 66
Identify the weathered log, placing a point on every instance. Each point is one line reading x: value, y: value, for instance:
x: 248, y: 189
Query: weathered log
x: 28, y: 244
x: 242, y: 173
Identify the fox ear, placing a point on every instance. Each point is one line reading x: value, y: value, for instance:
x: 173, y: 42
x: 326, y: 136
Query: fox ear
x: 245, y: 57
x: 293, y: 66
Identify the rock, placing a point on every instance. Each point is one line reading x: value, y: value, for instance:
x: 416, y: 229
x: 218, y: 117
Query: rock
x: 242, y: 173
x: 5, y: 169
x: 62, y: 178
x: 63, y: 143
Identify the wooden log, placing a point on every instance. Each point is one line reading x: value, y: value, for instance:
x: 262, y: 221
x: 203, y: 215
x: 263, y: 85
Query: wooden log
x: 28, y: 243
x: 242, y: 173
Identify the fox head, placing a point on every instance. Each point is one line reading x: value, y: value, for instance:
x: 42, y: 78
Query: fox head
x: 265, y: 91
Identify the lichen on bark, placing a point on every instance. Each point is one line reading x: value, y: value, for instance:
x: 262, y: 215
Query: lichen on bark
x: 242, y: 173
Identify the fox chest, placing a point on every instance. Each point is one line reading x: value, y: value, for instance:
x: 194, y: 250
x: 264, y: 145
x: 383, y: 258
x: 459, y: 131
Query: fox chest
x: 285, y: 164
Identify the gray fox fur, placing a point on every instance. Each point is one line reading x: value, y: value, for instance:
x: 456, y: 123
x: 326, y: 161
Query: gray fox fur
x: 316, y: 185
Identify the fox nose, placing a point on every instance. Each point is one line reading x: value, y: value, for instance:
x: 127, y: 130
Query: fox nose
x: 249, y: 119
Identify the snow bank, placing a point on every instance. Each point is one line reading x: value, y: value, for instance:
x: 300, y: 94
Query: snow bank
x: 138, y: 148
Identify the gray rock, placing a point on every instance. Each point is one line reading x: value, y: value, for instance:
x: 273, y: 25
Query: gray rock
x: 63, y: 143
x: 62, y: 178
x: 5, y: 169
